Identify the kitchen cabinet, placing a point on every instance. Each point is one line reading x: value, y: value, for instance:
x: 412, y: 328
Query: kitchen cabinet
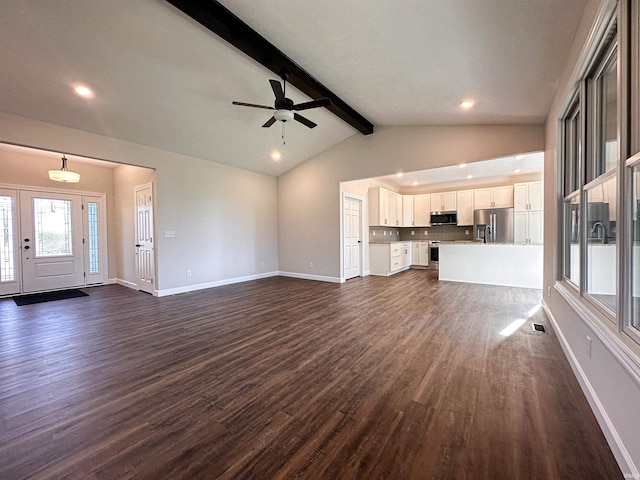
x: 383, y: 207
x: 422, y: 210
x: 528, y: 218
x: 464, y: 204
x: 495, y: 197
x: 407, y: 211
x: 396, y: 204
x: 420, y: 254
x: 443, y: 202
x: 389, y: 258
x: 528, y: 227
x: 528, y: 196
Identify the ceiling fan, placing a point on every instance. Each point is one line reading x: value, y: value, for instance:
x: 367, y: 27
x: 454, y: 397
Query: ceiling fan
x: 284, y: 108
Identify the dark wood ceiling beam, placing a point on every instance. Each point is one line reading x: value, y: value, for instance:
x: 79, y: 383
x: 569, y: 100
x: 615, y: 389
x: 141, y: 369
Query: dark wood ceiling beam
x: 219, y: 20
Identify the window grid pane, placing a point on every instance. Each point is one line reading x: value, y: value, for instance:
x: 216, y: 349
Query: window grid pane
x: 635, y: 248
x: 571, y: 252
x: 53, y: 232
x: 600, y: 261
x: 7, y: 244
x: 94, y: 257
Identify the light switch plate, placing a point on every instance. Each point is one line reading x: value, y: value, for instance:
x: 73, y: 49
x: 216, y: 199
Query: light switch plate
x: 169, y: 233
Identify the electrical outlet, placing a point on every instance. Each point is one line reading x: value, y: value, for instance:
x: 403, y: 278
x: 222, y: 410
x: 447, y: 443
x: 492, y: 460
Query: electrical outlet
x: 374, y: 233
x: 548, y: 290
x: 412, y: 232
x: 188, y: 273
x: 426, y: 232
x: 588, y: 346
x: 384, y: 232
x: 310, y: 264
x: 466, y: 232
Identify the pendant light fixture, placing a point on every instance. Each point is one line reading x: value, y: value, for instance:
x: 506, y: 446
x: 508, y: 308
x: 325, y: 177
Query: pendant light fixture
x: 64, y: 174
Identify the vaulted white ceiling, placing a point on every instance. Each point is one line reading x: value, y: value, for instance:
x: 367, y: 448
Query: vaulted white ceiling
x: 160, y: 79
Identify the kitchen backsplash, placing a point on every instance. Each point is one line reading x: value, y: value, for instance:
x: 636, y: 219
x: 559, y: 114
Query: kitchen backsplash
x: 440, y: 232
x: 384, y: 234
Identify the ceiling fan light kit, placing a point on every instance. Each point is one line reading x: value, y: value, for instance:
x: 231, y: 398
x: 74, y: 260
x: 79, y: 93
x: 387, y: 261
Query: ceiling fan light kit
x: 283, y: 115
x: 64, y: 174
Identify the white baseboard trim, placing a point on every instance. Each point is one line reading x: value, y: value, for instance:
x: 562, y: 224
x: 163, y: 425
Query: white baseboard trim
x: 305, y: 276
x: 111, y: 281
x: 217, y: 283
x: 620, y: 452
x: 125, y: 283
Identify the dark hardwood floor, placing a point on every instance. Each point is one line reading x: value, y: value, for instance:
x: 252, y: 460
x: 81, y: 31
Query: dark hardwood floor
x: 378, y: 378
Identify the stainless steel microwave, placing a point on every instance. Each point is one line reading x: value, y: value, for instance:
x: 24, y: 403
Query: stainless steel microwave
x: 444, y: 218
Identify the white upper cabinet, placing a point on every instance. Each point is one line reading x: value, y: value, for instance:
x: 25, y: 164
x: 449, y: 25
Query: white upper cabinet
x: 396, y: 203
x: 443, y: 202
x: 483, y: 198
x: 503, y: 196
x: 464, y: 202
x: 422, y: 210
x: 528, y: 196
x: 385, y: 208
x: 496, y: 197
x: 407, y: 211
x: 379, y: 213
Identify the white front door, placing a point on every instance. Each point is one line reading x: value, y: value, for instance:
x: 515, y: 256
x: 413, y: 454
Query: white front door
x: 9, y: 251
x: 145, y: 270
x: 352, y: 241
x: 51, y: 241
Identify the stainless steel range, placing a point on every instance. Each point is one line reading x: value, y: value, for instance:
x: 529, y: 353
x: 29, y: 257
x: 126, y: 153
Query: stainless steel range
x: 434, y: 254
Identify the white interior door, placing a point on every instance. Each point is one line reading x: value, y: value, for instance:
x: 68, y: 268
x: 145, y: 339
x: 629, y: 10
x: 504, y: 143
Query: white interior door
x: 9, y: 251
x: 352, y: 241
x: 145, y: 270
x: 51, y: 241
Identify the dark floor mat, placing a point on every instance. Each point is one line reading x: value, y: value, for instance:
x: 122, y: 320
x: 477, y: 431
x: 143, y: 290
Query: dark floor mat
x: 48, y: 297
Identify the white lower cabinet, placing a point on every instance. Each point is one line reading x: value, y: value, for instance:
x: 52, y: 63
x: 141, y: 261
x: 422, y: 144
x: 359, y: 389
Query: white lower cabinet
x: 420, y: 254
x: 389, y: 258
x: 528, y: 227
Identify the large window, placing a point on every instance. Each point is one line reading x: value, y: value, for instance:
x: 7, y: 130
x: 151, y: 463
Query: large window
x: 599, y: 169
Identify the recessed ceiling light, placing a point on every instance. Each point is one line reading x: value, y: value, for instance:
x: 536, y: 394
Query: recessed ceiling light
x: 463, y: 165
x: 469, y: 176
x: 519, y: 157
x: 399, y: 174
x: 276, y: 155
x: 83, y: 91
x: 415, y: 182
x: 467, y: 103
x: 517, y: 170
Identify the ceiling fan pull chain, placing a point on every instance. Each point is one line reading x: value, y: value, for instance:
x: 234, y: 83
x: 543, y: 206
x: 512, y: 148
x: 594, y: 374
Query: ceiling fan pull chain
x: 284, y: 141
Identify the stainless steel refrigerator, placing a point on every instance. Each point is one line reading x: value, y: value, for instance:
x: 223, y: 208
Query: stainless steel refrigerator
x: 493, y: 225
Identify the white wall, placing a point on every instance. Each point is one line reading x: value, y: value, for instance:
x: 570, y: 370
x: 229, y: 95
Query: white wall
x: 224, y: 218
x: 309, y: 195
x: 611, y: 388
x: 125, y: 179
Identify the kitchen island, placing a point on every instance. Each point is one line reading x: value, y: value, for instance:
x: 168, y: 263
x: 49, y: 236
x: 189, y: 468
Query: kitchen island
x: 505, y: 264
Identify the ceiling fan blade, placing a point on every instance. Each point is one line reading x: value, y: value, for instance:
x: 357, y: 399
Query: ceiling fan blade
x: 269, y: 122
x: 242, y: 104
x: 321, y: 102
x: 304, y: 121
x: 277, y: 89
